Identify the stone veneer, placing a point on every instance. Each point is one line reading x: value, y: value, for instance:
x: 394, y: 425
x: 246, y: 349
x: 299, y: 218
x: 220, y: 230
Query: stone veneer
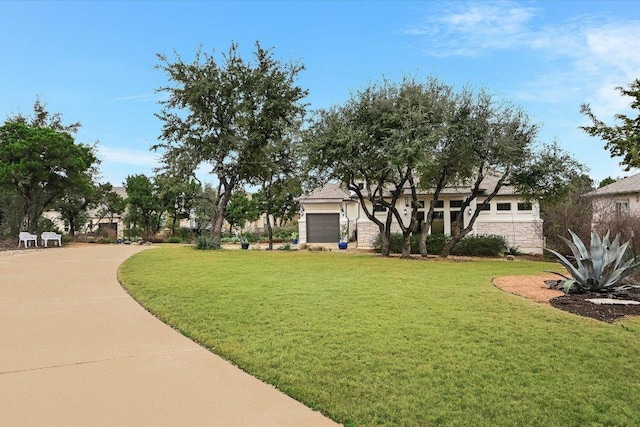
x: 526, y: 236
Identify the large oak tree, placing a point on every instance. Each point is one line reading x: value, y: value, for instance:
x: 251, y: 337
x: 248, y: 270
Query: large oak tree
x: 225, y: 114
x: 40, y: 161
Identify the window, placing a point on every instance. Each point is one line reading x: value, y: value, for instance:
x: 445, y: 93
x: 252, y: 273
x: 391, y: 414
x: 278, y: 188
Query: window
x: 506, y: 206
x: 622, y: 207
x: 484, y: 206
x: 455, y: 203
x: 525, y: 206
x: 379, y: 208
x: 439, y: 204
x: 360, y: 185
x: 420, y: 204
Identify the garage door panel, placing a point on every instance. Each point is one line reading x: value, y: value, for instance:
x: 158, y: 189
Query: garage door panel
x: 323, y: 228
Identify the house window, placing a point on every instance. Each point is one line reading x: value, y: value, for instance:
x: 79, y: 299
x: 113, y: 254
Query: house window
x: 622, y: 207
x: 484, y: 206
x: 503, y: 206
x: 525, y: 206
x: 455, y: 203
x: 379, y: 208
x: 439, y: 204
x: 360, y: 185
x: 420, y: 204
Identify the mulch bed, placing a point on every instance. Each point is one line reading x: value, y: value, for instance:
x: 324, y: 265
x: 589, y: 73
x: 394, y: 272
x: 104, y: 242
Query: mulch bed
x: 578, y: 304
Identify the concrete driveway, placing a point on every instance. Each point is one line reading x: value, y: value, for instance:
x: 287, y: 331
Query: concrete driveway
x: 75, y: 349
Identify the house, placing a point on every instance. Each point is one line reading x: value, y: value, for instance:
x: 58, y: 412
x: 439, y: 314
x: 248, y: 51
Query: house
x: 619, y: 198
x: 97, y: 219
x: 326, y: 211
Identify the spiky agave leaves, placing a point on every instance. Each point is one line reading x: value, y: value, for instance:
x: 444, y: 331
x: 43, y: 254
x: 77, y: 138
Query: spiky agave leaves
x: 600, y: 268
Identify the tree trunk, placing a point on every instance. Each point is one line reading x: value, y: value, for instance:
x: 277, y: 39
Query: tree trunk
x: 270, y: 232
x: 385, y: 241
x: 406, y: 245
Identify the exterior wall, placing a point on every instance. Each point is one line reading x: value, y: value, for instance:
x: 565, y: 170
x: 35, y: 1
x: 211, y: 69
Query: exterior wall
x: 604, y: 207
x: 520, y: 228
x: 525, y: 235
x: 315, y: 208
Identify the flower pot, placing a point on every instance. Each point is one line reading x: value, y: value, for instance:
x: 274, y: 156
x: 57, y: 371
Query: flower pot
x: 342, y: 245
x: 244, y: 246
x: 294, y: 241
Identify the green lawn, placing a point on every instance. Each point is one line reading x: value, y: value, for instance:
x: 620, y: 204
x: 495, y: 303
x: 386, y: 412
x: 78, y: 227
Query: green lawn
x: 371, y: 341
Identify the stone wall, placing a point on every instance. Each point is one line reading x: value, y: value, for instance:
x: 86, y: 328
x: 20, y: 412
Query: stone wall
x: 526, y: 236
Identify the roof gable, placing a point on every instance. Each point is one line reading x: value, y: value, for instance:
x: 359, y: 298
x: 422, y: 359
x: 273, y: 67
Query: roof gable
x: 622, y: 186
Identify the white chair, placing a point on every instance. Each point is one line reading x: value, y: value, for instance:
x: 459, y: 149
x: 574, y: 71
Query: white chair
x: 26, y: 238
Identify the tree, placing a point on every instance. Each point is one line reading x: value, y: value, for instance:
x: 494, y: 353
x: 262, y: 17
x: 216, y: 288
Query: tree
x: 241, y: 209
x: 370, y: 146
x: 225, y: 115
x: 40, y: 164
x: 75, y: 201
x: 606, y: 181
x: 279, y: 182
x: 110, y: 204
x: 622, y: 140
x: 146, y: 208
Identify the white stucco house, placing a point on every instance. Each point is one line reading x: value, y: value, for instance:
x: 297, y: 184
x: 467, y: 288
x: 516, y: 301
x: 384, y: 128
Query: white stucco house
x: 619, y: 198
x: 326, y: 211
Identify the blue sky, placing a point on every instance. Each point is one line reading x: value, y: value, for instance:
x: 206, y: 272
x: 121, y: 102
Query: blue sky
x: 94, y: 61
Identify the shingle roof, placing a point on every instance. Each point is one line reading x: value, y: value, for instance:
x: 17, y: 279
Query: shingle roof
x: 330, y: 193
x: 622, y: 186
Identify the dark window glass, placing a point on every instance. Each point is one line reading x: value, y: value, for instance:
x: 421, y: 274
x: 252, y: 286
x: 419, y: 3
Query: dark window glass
x: 439, y: 203
x: 455, y: 203
x: 379, y: 208
x: 420, y: 204
x: 503, y: 206
x: 438, y: 215
x: 484, y: 206
x: 525, y: 206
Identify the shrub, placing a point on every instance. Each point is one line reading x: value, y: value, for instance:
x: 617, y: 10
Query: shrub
x: 185, y: 234
x: 477, y: 245
x: 206, y: 243
x: 174, y: 239
x: 45, y: 224
x: 489, y: 245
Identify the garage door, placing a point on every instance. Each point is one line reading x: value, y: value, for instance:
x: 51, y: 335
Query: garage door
x: 323, y: 228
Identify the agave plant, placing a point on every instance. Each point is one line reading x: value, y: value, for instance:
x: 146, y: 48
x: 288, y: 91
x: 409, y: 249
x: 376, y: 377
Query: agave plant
x: 599, y: 269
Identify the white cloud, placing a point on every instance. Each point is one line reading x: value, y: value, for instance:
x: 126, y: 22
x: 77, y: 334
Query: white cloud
x: 128, y: 156
x: 141, y: 97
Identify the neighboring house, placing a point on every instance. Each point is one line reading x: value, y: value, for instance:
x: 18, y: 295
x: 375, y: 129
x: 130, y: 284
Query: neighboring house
x: 620, y: 198
x: 95, y: 221
x: 326, y: 211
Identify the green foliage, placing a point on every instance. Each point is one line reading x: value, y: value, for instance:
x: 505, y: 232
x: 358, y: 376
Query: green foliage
x: 228, y: 114
x: 241, y: 209
x: 206, y: 243
x: 45, y: 224
x: 40, y: 163
x: 622, y: 140
x: 146, y: 207
x: 174, y: 239
x: 475, y: 245
x: 132, y: 234
x: 599, y: 269
x: 285, y: 247
x: 606, y: 181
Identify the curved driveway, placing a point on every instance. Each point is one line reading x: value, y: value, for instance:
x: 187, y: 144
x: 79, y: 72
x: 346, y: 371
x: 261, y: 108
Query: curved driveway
x: 75, y: 349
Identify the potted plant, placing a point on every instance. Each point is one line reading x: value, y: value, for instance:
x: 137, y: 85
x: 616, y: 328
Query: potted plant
x: 294, y: 238
x: 244, y: 242
x: 344, y: 237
